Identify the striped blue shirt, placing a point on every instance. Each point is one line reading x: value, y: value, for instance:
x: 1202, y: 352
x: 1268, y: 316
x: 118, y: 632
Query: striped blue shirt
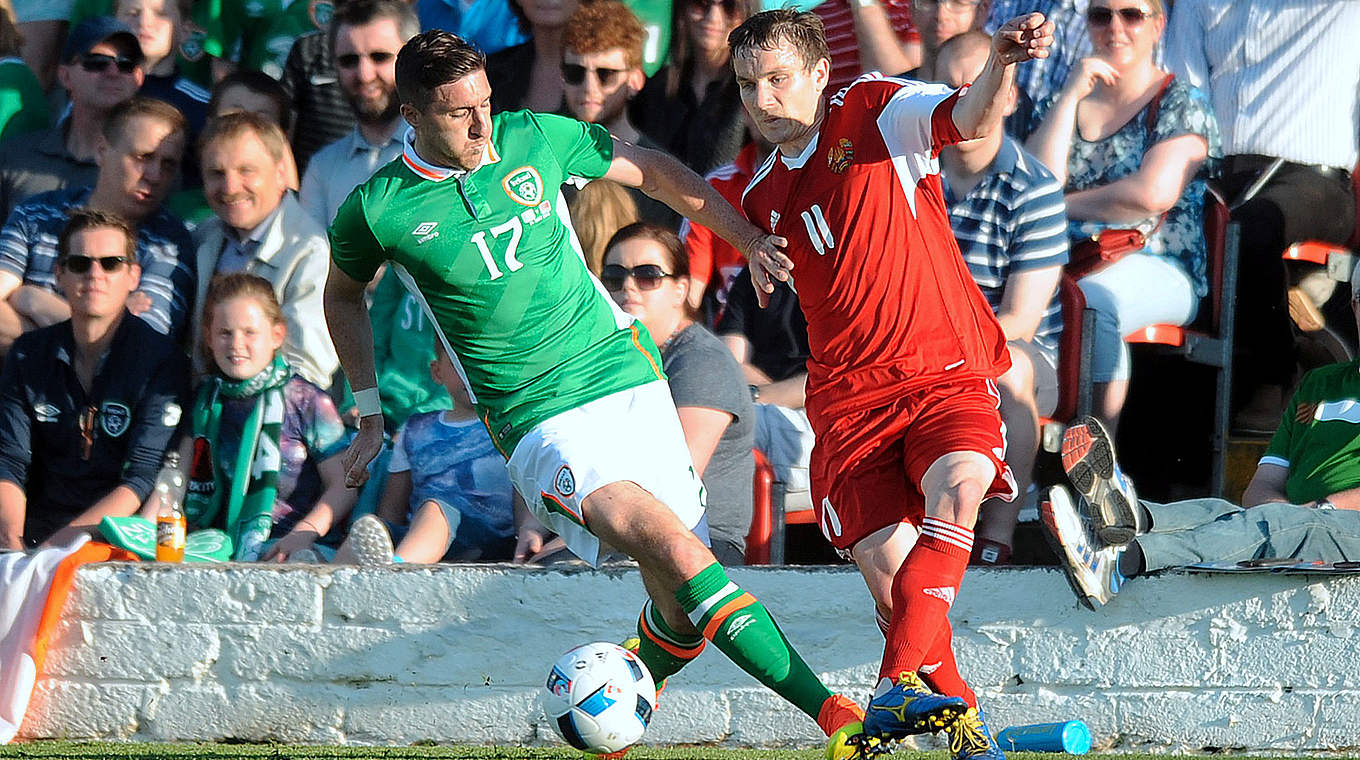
x: 28, y: 250
x: 1013, y: 221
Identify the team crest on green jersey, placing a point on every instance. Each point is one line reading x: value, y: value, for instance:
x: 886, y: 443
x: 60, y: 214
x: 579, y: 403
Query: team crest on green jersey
x: 524, y: 186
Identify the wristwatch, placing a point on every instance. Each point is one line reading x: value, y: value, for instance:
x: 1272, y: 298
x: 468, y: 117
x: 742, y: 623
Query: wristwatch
x: 1324, y: 503
x: 755, y: 393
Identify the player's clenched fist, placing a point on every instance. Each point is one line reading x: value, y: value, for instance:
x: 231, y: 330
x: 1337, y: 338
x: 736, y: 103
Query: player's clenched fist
x: 1023, y: 38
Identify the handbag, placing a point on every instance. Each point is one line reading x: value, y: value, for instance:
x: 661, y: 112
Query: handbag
x: 1108, y: 246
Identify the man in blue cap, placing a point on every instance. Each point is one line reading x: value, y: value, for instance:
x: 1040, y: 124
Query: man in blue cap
x: 100, y: 68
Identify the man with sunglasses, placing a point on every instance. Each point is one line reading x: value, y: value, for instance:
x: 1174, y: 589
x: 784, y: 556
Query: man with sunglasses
x: 139, y: 156
x: 365, y: 35
x: 569, y: 386
x: 901, y: 388
x: 88, y: 406
x: 100, y: 68
x: 601, y: 73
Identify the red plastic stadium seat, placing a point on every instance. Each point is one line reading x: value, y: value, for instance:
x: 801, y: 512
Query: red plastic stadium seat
x: 762, y: 517
x: 1209, y: 340
x: 1319, y: 252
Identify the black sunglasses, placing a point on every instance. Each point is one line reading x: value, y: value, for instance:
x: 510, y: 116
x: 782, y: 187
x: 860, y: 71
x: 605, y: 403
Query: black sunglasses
x: 351, y: 60
x: 575, y: 73
x: 1097, y: 16
x: 82, y: 264
x: 728, y: 6
x: 647, y: 276
x: 100, y: 62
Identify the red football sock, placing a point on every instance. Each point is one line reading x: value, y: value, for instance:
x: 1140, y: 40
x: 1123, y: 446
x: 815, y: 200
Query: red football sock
x: 940, y: 671
x: 923, y: 591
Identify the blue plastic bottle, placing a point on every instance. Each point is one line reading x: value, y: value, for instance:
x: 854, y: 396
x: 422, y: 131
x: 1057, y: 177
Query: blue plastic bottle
x: 1071, y: 736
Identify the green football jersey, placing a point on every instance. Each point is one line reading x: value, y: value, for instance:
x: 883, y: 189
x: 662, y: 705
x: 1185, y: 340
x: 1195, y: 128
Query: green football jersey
x: 1319, y: 434
x: 493, y: 258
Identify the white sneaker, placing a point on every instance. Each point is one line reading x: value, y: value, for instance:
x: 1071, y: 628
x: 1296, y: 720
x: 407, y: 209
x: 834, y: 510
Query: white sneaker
x: 1093, y: 572
x: 368, y: 544
x: 1089, y: 459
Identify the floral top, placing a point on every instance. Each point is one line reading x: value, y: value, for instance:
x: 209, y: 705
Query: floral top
x: 1184, y: 110
x: 312, y: 432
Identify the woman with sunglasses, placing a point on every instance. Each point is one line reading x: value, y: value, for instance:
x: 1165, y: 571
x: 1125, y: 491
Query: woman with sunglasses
x: 1132, y: 145
x: 647, y: 273
x: 691, y: 107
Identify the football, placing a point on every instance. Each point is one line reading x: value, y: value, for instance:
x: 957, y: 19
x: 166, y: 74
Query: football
x: 599, y: 698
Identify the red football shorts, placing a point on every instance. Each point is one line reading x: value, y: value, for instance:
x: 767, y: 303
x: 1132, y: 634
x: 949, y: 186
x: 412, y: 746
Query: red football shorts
x: 867, y: 466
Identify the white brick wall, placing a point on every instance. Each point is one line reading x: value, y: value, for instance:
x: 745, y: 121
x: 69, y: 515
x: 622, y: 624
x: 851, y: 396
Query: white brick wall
x: 457, y: 654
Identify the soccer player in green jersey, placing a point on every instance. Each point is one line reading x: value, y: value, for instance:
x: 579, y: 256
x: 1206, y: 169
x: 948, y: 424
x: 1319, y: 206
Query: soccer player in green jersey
x: 472, y: 220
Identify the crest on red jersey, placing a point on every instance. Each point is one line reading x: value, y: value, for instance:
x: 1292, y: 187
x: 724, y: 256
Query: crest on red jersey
x: 840, y: 155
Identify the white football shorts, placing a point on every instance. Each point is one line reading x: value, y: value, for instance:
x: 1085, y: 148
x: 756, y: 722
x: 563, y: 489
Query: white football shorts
x: 632, y: 435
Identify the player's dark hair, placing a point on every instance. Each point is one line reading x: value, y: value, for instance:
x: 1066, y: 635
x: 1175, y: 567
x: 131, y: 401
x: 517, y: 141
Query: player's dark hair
x: 431, y: 60
x: 364, y: 12
x: 82, y: 218
x: 116, y: 126
x: 677, y: 261
x: 766, y: 30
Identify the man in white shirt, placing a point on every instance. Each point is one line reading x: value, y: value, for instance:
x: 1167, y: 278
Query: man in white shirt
x: 1284, y: 79
x: 365, y: 37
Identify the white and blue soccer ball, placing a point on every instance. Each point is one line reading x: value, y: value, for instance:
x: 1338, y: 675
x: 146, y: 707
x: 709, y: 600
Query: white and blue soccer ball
x: 599, y: 698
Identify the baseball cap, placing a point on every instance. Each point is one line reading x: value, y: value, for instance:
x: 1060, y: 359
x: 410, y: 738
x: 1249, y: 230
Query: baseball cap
x: 93, y: 31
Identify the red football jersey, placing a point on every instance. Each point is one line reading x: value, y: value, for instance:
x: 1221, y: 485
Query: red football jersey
x: 711, y: 259
x: 889, y: 301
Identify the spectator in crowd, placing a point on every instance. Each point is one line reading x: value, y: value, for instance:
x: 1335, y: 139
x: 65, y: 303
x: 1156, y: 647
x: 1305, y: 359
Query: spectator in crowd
x: 771, y: 345
x: 1131, y: 142
x: 41, y: 26
x: 266, y: 442
x: 1042, y: 78
x: 87, y: 405
x: 139, y: 159
x: 647, y: 272
x: 529, y: 75
x: 714, y: 263
x: 313, y: 88
x: 1006, y: 210
x: 598, y: 210
x: 1302, y: 503
x: 601, y: 73
x: 492, y: 25
x: 448, y: 495
x: 868, y: 35
x: 366, y: 36
x: 241, y: 90
x: 23, y: 106
x: 1290, y: 115
x: 246, y: 90
x: 100, y: 68
x: 692, y: 107
x: 260, y: 228
x: 159, y: 26
x: 939, y: 22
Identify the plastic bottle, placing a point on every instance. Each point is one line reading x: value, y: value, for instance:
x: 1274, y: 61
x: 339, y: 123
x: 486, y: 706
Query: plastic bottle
x: 170, y: 523
x: 1070, y: 736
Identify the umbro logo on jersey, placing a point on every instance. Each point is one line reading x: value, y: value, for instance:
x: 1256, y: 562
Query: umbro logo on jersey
x: 945, y: 593
x: 774, y: 219
x: 425, y: 231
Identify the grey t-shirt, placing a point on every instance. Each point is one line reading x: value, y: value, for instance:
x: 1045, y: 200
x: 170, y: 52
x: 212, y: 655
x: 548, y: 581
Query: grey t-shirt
x: 704, y: 373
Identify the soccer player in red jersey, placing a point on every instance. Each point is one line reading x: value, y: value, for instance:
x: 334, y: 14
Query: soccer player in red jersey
x: 905, y: 349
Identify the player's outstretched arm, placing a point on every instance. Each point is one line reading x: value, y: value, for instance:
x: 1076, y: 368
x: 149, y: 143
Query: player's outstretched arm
x: 983, y: 106
x: 352, y: 334
x: 664, y: 178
